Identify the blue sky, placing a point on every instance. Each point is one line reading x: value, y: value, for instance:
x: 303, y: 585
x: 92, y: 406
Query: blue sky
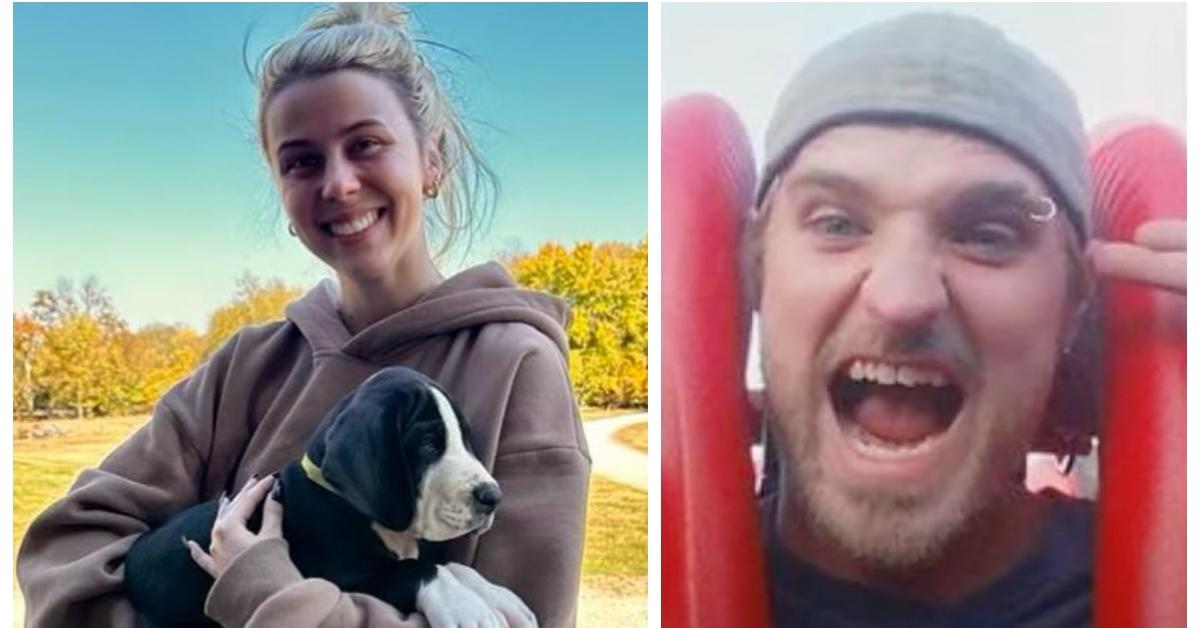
x: 135, y: 158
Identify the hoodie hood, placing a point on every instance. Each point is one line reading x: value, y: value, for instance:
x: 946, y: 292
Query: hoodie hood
x: 477, y: 296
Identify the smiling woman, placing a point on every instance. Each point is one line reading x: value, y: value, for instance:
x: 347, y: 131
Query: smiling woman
x: 354, y: 175
x: 376, y: 174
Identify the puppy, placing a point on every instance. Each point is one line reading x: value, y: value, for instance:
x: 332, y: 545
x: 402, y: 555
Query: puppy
x: 388, y: 476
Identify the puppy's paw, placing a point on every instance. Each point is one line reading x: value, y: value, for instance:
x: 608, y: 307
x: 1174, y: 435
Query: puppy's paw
x: 514, y: 611
x: 446, y: 602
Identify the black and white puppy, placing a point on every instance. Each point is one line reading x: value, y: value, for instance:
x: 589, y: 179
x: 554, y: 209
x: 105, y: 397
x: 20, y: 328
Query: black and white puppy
x: 388, y: 476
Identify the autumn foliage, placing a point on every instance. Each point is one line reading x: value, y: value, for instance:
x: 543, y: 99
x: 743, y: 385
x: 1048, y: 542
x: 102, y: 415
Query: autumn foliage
x: 606, y: 286
x: 75, y: 356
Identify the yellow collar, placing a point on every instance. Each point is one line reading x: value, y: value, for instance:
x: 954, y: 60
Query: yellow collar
x: 314, y: 473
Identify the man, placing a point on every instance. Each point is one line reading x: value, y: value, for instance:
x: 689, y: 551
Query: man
x: 922, y: 263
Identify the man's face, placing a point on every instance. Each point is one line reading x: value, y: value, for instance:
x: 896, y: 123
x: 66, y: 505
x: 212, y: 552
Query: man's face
x: 912, y: 313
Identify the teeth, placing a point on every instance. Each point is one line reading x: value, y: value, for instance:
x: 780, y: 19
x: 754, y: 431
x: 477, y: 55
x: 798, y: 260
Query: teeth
x: 888, y: 374
x: 857, y: 371
x: 356, y: 225
x: 885, y: 374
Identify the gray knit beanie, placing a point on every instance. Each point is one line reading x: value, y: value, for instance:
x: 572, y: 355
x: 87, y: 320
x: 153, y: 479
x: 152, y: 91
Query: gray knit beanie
x: 944, y: 71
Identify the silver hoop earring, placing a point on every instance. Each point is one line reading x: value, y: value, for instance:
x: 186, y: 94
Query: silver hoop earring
x: 292, y: 229
x: 1045, y: 211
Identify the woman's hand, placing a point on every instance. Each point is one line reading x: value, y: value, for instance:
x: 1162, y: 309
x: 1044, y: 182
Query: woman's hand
x: 230, y: 536
x: 1157, y: 256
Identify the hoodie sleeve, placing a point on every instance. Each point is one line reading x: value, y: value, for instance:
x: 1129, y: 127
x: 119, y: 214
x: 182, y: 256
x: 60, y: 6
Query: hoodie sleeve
x: 261, y: 588
x: 71, y: 563
x: 535, y: 545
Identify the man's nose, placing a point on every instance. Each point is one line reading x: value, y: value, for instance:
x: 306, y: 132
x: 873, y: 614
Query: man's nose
x: 905, y: 286
x: 341, y: 181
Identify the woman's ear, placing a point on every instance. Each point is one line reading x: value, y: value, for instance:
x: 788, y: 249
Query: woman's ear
x: 434, y: 166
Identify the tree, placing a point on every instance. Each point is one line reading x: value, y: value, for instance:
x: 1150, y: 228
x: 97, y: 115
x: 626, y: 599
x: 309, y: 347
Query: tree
x: 157, y: 357
x: 74, y: 350
x: 78, y: 359
x: 255, y: 302
x: 27, y: 341
x: 607, y: 288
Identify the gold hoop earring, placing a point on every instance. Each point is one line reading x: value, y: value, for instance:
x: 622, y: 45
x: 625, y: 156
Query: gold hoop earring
x: 431, y: 191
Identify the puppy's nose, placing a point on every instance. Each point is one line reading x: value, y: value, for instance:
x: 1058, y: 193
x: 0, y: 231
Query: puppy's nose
x: 486, y: 496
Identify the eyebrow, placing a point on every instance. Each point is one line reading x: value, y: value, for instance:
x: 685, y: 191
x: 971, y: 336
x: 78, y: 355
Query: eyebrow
x: 1011, y: 195
x: 829, y: 180
x: 345, y: 131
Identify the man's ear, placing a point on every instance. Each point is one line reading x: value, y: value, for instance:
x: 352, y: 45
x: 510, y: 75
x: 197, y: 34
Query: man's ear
x: 365, y: 460
x: 1073, y: 409
x: 1073, y: 324
x: 751, y: 248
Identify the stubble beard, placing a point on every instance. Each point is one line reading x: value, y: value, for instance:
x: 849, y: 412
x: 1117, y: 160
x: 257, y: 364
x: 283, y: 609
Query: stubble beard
x: 893, y: 530
x: 898, y: 529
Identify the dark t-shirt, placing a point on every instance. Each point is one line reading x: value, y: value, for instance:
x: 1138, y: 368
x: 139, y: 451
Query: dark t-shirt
x: 1052, y: 588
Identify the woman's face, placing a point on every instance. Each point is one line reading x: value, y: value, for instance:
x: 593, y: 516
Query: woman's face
x: 352, y: 171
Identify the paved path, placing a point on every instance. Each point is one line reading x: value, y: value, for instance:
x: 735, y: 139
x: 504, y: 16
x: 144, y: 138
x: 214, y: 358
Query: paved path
x: 612, y: 459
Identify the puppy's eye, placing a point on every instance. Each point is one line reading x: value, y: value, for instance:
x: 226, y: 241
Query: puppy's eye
x: 428, y: 446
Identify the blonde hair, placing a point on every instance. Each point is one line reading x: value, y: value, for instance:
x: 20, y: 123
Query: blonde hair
x: 375, y: 38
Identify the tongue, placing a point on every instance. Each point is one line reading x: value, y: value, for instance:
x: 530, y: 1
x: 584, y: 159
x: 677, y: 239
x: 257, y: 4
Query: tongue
x: 898, y: 415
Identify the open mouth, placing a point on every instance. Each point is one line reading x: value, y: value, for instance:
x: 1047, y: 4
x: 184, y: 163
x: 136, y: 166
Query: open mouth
x: 355, y: 226
x: 890, y: 409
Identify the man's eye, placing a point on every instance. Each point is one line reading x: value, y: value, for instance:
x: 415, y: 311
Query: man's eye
x: 990, y: 236
x: 834, y: 223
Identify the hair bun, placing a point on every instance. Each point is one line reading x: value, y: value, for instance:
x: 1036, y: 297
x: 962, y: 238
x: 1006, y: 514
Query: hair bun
x: 382, y: 13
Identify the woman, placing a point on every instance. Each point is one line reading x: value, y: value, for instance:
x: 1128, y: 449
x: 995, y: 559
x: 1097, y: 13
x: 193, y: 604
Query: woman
x: 364, y: 147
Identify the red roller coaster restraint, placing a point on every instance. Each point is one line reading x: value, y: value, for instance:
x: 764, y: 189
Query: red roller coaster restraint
x: 1138, y: 175
x: 711, y: 561
x: 712, y: 567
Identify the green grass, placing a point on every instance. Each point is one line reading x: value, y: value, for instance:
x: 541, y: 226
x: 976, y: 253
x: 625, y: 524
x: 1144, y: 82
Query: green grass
x: 616, y: 530
x: 635, y: 436
x: 591, y: 414
x: 44, y: 469
x: 614, y: 553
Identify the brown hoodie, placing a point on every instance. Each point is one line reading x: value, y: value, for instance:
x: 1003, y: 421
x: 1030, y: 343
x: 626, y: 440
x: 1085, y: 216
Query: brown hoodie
x: 500, y: 351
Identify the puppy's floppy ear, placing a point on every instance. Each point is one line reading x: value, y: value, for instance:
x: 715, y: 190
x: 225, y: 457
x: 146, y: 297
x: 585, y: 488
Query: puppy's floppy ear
x: 364, y: 456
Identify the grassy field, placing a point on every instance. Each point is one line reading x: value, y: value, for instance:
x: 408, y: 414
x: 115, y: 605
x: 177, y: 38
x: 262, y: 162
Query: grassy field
x: 614, y: 568
x: 591, y: 414
x: 635, y: 436
x: 44, y: 469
